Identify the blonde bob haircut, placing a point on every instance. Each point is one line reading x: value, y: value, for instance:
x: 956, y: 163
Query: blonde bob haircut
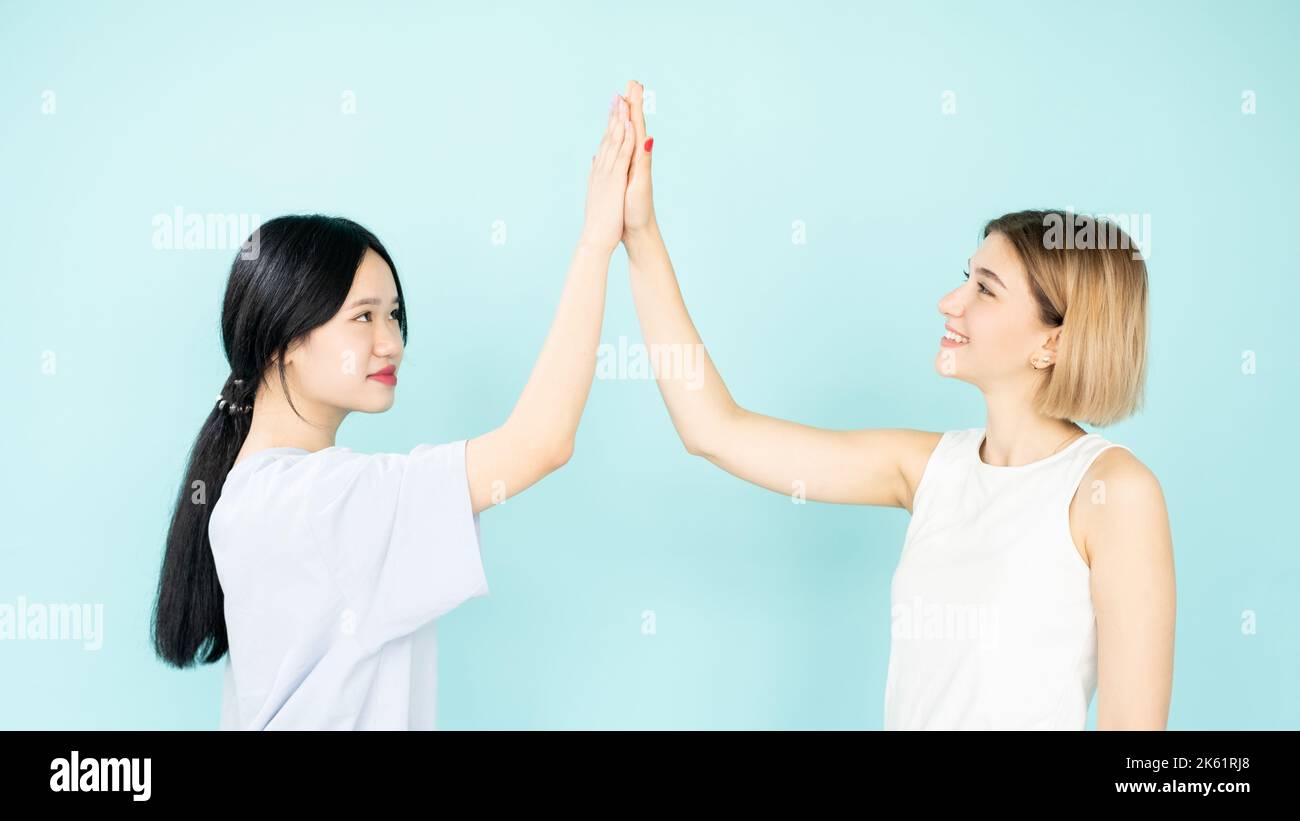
x: 1089, y: 279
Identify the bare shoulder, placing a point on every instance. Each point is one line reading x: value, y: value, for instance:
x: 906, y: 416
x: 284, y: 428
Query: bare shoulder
x: 1118, y: 495
x: 1123, y: 474
x: 912, y: 448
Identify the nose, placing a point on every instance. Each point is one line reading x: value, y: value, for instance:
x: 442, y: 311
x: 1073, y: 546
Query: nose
x: 388, y: 339
x: 953, y: 304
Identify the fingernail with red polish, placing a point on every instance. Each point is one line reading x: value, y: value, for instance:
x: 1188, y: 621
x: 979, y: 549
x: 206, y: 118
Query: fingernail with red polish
x: 649, y: 145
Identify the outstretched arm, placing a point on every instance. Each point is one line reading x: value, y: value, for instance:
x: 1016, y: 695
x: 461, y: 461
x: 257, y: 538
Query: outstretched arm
x: 538, y: 436
x: 874, y: 467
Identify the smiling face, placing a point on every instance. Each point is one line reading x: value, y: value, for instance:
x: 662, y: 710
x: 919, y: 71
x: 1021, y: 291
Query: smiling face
x: 996, y: 313
x: 341, y: 363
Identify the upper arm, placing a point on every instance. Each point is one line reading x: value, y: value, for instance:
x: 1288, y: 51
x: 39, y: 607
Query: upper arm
x: 878, y: 466
x: 502, y: 463
x: 397, y: 535
x: 1131, y: 549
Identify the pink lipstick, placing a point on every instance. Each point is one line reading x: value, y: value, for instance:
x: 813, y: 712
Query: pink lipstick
x: 387, y: 375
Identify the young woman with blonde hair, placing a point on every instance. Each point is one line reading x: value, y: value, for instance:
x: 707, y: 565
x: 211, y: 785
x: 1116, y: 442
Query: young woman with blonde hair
x: 1037, y: 568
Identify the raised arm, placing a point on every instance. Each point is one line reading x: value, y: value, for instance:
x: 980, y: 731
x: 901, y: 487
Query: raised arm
x: 538, y: 436
x: 872, y: 467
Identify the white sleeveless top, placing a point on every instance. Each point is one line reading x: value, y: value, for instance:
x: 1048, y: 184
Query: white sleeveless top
x: 992, y: 619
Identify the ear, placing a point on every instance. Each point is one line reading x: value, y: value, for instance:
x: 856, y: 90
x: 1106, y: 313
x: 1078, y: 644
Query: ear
x: 292, y: 353
x: 1050, y: 345
x: 1045, y: 355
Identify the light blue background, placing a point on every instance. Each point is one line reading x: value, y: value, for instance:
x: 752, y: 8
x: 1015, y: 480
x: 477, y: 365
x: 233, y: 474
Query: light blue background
x: 768, y: 614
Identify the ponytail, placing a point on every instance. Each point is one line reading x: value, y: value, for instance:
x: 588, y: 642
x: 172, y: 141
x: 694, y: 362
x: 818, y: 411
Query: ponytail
x: 189, y: 618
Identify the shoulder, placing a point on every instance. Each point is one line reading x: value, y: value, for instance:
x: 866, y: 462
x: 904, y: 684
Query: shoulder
x: 337, y: 475
x: 913, y: 450
x: 1122, y: 505
x: 1119, y: 469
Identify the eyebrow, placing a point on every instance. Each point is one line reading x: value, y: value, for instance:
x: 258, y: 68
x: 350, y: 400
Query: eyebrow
x: 370, y: 300
x: 986, y: 272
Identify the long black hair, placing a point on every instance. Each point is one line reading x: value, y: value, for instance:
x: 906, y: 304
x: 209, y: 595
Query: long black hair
x: 290, y: 277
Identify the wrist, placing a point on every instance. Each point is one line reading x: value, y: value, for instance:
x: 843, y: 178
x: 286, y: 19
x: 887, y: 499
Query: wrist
x: 595, y: 247
x: 643, y: 236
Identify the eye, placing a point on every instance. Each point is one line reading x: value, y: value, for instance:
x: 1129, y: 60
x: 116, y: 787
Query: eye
x: 982, y: 288
x: 396, y: 314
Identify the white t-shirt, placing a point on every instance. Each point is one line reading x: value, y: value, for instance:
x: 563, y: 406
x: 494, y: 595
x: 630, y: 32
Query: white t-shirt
x: 335, y: 566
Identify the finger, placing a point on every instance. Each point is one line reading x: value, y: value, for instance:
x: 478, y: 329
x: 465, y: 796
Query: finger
x: 624, y: 157
x: 621, y: 127
x: 605, y: 149
x: 625, y: 148
x: 636, y: 96
x: 609, y: 128
x: 613, y: 115
x: 617, y: 135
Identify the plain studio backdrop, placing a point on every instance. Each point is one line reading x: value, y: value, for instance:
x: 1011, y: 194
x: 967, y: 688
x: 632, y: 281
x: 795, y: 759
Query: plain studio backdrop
x: 821, y: 173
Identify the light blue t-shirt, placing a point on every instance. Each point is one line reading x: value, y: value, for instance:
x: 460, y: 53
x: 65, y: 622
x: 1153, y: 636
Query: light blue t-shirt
x: 335, y: 566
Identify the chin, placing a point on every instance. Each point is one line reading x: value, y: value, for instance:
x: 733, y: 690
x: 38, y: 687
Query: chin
x: 371, y: 404
x: 945, y: 365
x: 949, y: 368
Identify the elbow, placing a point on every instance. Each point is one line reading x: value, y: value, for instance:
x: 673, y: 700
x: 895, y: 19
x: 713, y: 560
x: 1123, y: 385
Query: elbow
x: 560, y: 454
x: 696, y: 446
x: 705, y: 438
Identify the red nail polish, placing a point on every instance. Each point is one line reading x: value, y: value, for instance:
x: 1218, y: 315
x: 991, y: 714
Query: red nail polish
x: 649, y: 145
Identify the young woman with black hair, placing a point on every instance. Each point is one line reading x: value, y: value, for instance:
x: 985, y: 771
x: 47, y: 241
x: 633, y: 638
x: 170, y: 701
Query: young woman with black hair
x: 320, y: 572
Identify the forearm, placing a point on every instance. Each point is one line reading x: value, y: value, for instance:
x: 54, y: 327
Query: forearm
x: 548, y: 410
x: 697, y: 399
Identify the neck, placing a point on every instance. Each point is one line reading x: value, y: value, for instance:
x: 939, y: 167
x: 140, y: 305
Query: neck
x: 276, y: 425
x: 1016, y: 434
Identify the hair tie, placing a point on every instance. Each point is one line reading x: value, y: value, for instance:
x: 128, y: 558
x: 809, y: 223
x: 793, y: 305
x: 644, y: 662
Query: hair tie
x: 230, y: 406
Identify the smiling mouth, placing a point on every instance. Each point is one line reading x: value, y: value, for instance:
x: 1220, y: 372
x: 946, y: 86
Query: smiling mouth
x: 954, y: 337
